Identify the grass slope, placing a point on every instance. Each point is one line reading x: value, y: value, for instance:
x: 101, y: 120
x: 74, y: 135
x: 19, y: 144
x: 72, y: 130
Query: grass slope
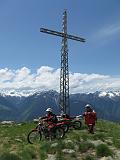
x: 77, y: 144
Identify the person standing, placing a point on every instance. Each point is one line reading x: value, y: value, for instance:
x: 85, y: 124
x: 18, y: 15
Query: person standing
x: 90, y: 118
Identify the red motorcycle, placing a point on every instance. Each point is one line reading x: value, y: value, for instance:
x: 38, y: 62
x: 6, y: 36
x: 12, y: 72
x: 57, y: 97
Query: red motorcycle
x: 70, y: 122
x: 43, y: 130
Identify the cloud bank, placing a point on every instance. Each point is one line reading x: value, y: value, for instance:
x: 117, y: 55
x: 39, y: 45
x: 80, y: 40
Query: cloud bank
x: 47, y: 78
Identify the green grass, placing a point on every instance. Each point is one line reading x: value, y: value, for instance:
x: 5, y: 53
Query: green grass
x: 85, y: 146
x: 103, y: 150
x: 14, y: 145
x: 8, y: 156
x: 88, y: 158
x: 111, y: 130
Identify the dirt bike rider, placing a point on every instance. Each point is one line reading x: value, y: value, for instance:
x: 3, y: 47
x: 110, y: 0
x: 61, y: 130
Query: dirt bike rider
x: 50, y: 118
x: 90, y: 118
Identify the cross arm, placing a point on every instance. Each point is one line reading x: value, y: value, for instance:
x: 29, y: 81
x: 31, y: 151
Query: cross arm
x: 48, y: 31
x: 61, y: 34
x: 75, y: 38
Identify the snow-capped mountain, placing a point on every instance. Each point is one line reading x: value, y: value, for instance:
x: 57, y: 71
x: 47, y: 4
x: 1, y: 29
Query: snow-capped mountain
x: 29, y: 104
x: 18, y: 93
x: 109, y: 94
x: 27, y: 93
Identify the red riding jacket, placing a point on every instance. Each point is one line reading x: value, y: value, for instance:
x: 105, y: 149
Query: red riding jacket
x: 50, y: 118
x: 90, y: 117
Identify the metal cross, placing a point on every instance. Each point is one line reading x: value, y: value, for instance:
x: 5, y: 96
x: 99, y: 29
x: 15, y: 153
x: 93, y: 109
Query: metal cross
x: 64, y: 73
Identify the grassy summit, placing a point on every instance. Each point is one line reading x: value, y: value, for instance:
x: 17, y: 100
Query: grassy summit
x: 77, y: 144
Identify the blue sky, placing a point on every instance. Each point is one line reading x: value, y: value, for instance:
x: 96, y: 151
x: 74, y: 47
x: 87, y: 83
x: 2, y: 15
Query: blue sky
x: 22, y: 45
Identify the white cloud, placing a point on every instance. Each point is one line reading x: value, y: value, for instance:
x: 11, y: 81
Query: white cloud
x: 106, y: 33
x: 44, y: 69
x: 109, y: 30
x: 46, y: 78
x: 6, y: 75
x: 21, y: 74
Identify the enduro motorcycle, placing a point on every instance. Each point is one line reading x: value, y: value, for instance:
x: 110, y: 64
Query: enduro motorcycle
x: 70, y: 122
x: 45, y: 131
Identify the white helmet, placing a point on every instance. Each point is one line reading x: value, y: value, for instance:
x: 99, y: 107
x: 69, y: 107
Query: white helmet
x: 88, y: 106
x: 49, y: 110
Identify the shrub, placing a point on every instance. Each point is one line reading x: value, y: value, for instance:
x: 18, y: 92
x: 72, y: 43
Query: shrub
x: 84, y: 137
x: 44, y: 148
x: 74, y: 136
x: 103, y: 150
x: 69, y: 145
x: 59, y: 156
x: 99, y: 136
x: 88, y: 158
x: 8, y: 156
x: 84, y: 146
x: 28, y: 153
x: 116, y: 142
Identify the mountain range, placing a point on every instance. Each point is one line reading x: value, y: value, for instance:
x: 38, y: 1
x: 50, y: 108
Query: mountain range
x: 27, y: 105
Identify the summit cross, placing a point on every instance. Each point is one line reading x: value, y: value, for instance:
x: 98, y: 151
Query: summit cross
x: 64, y: 72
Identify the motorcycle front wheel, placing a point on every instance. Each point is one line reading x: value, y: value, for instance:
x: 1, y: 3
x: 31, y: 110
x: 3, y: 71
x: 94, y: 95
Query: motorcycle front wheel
x: 34, y: 136
x: 77, y: 124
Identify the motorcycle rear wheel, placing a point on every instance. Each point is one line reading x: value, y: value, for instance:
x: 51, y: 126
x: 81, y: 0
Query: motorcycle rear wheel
x: 59, y: 133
